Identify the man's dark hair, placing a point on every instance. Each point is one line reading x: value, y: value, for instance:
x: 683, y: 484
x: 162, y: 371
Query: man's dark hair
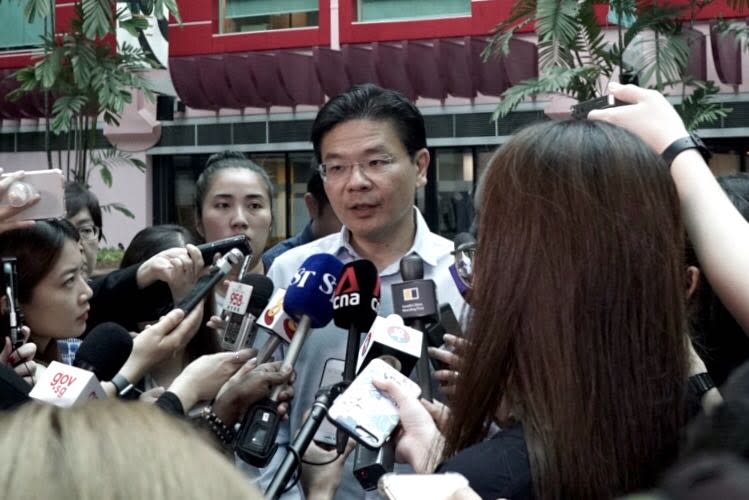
x: 77, y: 197
x: 373, y: 103
x: 316, y: 189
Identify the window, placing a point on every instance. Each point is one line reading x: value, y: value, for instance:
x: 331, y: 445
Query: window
x: 262, y: 15
x: 17, y: 32
x: 392, y: 10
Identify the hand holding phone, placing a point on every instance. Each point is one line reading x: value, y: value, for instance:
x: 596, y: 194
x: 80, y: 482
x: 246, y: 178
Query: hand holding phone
x: 366, y: 414
x: 35, y: 195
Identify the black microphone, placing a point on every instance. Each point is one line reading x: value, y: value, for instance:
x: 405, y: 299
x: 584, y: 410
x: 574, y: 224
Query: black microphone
x: 245, y: 300
x: 14, y: 390
x: 308, y: 301
x: 104, y: 350
x: 206, y: 282
x: 415, y: 300
x: 355, y: 303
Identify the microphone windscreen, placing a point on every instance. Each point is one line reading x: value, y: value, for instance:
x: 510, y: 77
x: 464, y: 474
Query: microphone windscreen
x: 311, y: 290
x: 13, y: 389
x: 104, y: 350
x: 262, y: 289
x: 354, y: 298
x: 412, y: 267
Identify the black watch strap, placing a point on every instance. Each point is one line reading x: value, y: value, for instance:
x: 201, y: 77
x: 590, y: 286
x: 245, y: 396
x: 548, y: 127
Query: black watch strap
x: 122, y: 385
x: 701, y: 383
x: 689, y: 142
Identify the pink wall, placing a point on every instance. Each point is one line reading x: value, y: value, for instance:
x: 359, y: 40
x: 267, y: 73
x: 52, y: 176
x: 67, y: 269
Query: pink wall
x: 130, y: 187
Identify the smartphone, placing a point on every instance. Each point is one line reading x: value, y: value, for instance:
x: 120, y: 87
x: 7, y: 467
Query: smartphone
x: 366, y: 414
x: 580, y: 110
x: 408, y: 486
x: 50, y: 184
x: 11, y: 319
x: 448, y: 323
x: 240, y: 242
x: 332, y: 374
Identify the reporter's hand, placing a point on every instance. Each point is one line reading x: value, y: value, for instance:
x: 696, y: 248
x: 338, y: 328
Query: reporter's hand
x: 7, y: 211
x: 159, y: 341
x: 450, y: 354
x: 203, y: 378
x: 151, y: 395
x: 418, y: 442
x: 22, y: 359
x: 178, y: 267
x: 649, y: 116
x: 322, y: 481
x: 216, y: 323
x: 248, y: 386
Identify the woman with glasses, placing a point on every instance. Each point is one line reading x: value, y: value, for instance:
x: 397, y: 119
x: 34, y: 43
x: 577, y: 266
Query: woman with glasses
x: 576, y: 345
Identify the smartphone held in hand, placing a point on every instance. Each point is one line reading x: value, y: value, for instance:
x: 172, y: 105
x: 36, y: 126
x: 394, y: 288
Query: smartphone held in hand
x: 48, y: 184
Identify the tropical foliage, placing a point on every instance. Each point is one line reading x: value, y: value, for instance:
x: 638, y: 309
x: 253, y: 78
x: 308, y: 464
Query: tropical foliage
x: 87, y: 76
x: 652, y: 47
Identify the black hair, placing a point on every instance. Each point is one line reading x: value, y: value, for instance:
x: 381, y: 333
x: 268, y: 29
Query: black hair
x: 222, y: 161
x: 78, y: 197
x: 152, y: 240
x: 373, y: 103
x: 37, y: 249
x: 316, y: 189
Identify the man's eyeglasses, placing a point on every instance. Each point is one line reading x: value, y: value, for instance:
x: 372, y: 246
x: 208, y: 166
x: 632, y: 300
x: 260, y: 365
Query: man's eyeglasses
x: 88, y: 232
x: 374, y: 165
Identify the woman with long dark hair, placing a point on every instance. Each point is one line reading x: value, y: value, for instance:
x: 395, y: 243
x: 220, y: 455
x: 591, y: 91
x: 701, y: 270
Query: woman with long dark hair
x: 577, y: 345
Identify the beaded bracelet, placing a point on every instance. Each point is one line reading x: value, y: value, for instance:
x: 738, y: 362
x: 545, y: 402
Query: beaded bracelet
x: 218, y: 427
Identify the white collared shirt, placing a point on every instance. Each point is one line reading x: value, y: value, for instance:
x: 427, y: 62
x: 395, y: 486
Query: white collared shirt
x: 329, y: 343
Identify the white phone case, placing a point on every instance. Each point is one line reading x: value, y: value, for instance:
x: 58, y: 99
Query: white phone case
x: 50, y: 184
x: 363, y: 411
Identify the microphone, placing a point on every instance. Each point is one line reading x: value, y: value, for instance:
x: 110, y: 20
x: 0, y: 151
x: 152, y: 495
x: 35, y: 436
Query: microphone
x: 389, y: 338
x: 14, y: 390
x: 104, y: 350
x: 244, y: 302
x: 400, y: 346
x: 277, y: 324
x: 355, y: 304
x: 308, y: 302
x: 67, y: 386
x: 415, y: 300
x: 206, y: 282
x: 462, y: 269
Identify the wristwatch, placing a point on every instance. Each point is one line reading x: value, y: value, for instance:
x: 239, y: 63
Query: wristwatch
x: 692, y: 141
x: 701, y: 383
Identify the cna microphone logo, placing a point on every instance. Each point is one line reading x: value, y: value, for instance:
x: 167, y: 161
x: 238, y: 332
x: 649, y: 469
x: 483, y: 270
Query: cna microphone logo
x: 348, y: 291
x: 410, y: 294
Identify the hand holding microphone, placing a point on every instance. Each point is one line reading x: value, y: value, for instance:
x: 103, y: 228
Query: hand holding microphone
x: 250, y: 384
x: 308, y: 301
x: 178, y: 267
x: 157, y: 342
x: 20, y: 360
x: 203, y: 378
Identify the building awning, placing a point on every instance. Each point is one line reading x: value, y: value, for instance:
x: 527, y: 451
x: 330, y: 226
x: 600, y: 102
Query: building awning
x: 417, y: 68
x: 29, y: 106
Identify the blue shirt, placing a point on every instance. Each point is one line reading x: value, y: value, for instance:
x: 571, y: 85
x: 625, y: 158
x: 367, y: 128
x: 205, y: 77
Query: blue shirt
x: 299, y: 239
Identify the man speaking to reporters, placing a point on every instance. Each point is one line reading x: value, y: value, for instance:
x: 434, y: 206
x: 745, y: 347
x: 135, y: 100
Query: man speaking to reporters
x: 371, y: 147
